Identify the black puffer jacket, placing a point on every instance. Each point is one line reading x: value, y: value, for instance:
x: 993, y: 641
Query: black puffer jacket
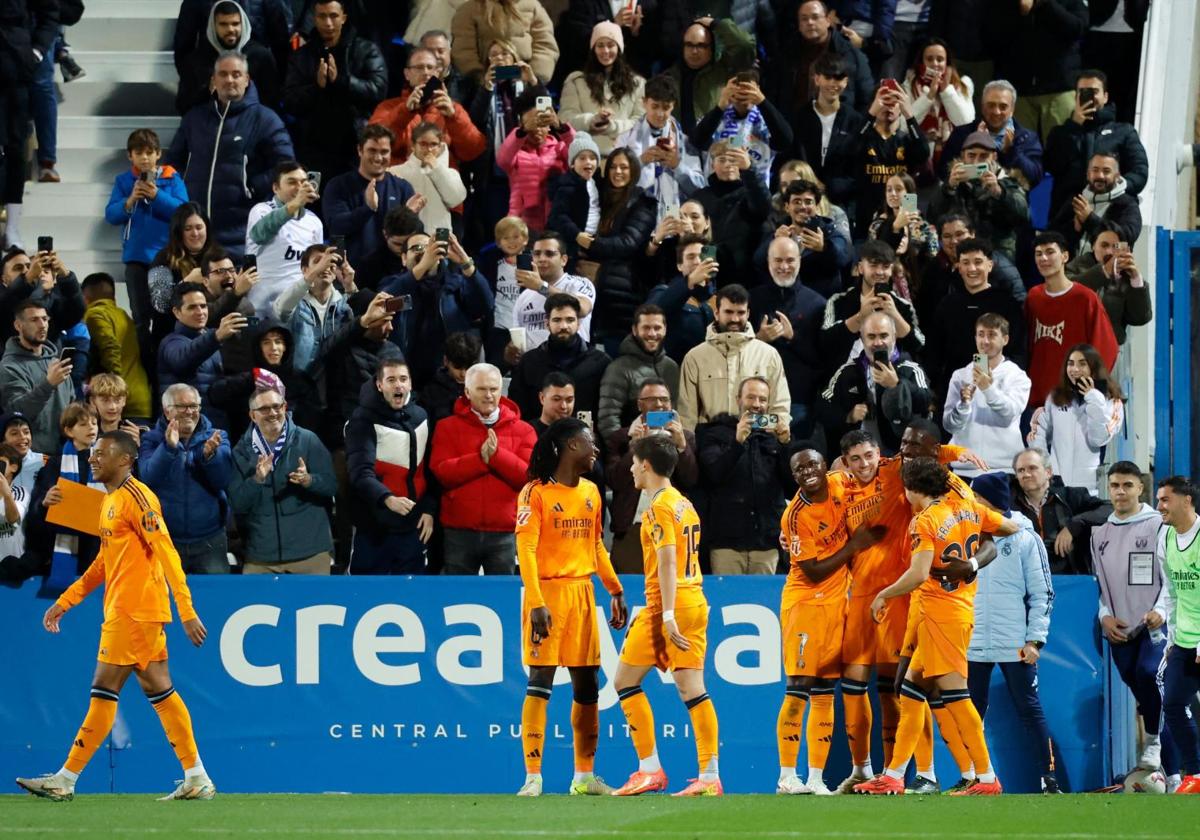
x: 746, y: 485
x: 1038, y: 52
x: 584, y: 366
x: 1070, y: 147
x: 328, y: 118
x: 737, y: 210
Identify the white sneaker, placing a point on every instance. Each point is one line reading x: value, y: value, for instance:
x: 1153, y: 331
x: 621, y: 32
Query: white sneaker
x: 532, y: 787
x: 792, y: 785
x: 1151, y: 755
x: 197, y: 787
x: 819, y: 788
x: 855, y: 778
x: 50, y: 786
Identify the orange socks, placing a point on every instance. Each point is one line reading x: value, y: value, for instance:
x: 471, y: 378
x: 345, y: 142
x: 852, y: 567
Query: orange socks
x: 533, y: 727
x: 704, y: 725
x: 950, y: 734
x: 640, y: 718
x: 820, y: 726
x: 585, y: 724
x: 787, y: 729
x: 970, y: 727
x: 912, y: 721
x: 923, y: 750
x: 102, y: 711
x: 889, y: 710
x: 177, y: 723
x: 858, y: 720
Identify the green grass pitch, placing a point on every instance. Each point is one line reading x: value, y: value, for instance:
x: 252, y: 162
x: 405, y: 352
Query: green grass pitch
x: 283, y: 815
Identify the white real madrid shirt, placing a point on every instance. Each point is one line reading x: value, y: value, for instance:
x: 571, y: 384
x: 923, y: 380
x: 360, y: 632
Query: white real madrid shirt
x: 530, y: 311
x: 279, y: 257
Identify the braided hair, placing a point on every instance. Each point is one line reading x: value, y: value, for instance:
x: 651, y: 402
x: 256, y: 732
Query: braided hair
x: 547, y: 452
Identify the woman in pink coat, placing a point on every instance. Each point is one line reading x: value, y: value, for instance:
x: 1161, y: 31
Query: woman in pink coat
x: 532, y: 154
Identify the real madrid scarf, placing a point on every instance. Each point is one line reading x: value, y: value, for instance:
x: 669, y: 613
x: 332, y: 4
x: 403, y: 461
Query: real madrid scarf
x: 753, y: 129
x: 65, y: 560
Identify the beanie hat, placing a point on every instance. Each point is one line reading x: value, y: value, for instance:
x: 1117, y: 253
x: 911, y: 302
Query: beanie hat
x: 994, y: 487
x: 583, y: 142
x: 607, y: 29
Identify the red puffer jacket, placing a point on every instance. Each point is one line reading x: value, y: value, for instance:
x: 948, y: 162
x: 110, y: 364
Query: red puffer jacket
x: 478, y: 496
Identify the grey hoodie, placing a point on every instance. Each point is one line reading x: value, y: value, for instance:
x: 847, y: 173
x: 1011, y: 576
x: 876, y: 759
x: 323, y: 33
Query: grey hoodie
x: 1127, y: 568
x: 24, y: 388
x: 211, y: 32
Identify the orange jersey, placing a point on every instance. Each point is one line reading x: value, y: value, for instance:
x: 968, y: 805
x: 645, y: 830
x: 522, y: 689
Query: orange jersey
x: 813, y: 531
x: 136, y: 560
x: 882, y: 502
x: 954, y: 523
x: 671, y: 520
x: 559, y: 536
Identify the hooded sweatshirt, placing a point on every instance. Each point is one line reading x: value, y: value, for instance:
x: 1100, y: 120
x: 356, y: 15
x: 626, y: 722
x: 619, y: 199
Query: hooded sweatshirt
x: 24, y: 388
x: 195, y: 69
x: 1130, y: 576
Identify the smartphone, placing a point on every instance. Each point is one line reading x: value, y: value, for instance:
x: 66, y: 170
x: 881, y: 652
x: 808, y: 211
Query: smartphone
x: 253, y: 320
x: 737, y: 141
x: 883, y: 288
x: 399, y: 303
x: 975, y: 171
x: 544, y: 103
x: 506, y: 73
x: 516, y: 337
x: 1087, y: 96
x: 890, y: 84
x: 431, y: 87
x: 1122, y: 248
x: 525, y: 261
x: 981, y: 363
x: 339, y: 242
x: 314, y: 178
x: 672, y: 211
x: 585, y: 417
x: 146, y: 177
x: 3, y: 467
x: 812, y: 223
x: 659, y: 419
x: 881, y: 356
x: 908, y: 203
x: 67, y: 354
x: 708, y: 252
x: 249, y: 261
x: 663, y: 142
x: 45, y: 244
x: 442, y: 235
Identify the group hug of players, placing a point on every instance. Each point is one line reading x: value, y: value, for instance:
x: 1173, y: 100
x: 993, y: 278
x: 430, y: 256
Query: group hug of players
x: 882, y: 560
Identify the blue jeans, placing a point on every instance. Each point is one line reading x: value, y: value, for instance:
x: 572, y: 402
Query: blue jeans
x: 466, y: 552
x: 43, y: 96
x: 387, y: 554
x: 1179, y: 680
x: 1137, y: 662
x: 1021, y: 680
x: 205, y: 557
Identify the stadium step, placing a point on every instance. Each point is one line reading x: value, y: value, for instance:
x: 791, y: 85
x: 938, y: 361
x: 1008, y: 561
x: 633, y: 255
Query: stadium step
x: 130, y: 66
x: 109, y: 133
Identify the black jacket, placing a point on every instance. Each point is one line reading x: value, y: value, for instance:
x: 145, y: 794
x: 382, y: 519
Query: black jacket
x: 787, y: 75
x: 328, y: 118
x: 1037, y: 52
x: 737, y: 210
x: 197, y: 68
x: 880, y: 158
x: 1070, y: 146
x: 837, y: 341
x: 801, y: 356
x: 619, y: 290
x: 782, y: 136
x: 891, y: 409
x: 574, y: 359
x: 950, y: 334
x: 1122, y: 211
x: 837, y: 170
x: 746, y: 485
x: 1073, y: 508
x: 439, y: 395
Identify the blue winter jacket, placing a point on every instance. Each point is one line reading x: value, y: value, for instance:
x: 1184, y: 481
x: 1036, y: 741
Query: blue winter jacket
x: 226, y: 154
x: 1015, y: 597
x: 187, y: 355
x: 144, y: 229
x: 191, y: 489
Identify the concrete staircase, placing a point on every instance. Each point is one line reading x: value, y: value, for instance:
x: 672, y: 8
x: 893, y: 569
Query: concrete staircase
x: 125, y: 46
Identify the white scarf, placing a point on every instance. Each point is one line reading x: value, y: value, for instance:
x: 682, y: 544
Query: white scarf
x: 1100, y: 203
x: 657, y: 180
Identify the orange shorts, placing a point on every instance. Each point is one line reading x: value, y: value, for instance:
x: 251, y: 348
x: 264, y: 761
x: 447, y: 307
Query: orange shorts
x: 124, y: 641
x: 868, y: 643
x: 646, y: 643
x: 812, y: 639
x: 909, y: 644
x: 941, y: 648
x: 574, y: 640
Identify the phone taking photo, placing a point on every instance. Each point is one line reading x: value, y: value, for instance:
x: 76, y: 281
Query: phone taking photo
x: 314, y: 178
x: 908, y: 203
x: 659, y: 419
x: 981, y: 363
x: 525, y: 261
x: 399, y: 303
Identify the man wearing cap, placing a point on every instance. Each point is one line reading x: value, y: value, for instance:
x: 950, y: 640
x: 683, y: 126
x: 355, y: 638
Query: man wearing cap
x: 979, y: 187
x: 1012, y: 621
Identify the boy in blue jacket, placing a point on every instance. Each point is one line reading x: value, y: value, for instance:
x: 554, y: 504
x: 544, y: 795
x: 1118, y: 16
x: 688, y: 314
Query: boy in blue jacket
x: 142, y: 201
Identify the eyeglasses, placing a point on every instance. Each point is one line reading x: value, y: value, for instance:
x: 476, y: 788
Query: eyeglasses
x: 416, y: 249
x: 188, y: 408
x: 277, y: 408
x: 219, y: 271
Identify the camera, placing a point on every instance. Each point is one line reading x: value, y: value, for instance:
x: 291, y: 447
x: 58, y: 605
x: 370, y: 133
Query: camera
x: 765, y: 422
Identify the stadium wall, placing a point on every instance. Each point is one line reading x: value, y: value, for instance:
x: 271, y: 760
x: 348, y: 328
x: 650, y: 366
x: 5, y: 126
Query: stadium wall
x: 373, y: 685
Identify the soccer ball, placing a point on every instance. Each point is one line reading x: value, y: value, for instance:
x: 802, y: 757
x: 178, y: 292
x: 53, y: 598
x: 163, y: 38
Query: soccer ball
x: 1145, y: 781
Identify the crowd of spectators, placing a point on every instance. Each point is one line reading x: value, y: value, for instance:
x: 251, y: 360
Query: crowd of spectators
x: 391, y: 242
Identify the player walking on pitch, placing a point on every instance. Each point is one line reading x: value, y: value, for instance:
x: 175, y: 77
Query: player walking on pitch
x: 136, y: 562
x: 945, y: 522
x: 813, y: 614
x: 671, y: 632
x: 559, y: 548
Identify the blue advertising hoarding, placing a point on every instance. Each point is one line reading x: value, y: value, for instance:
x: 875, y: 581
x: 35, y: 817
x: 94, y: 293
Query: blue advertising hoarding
x: 374, y: 685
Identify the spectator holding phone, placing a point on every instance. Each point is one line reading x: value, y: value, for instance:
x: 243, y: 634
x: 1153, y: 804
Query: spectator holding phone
x: 35, y: 375
x: 279, y: 229
x: 745, y: 118
x: 642, y: 355
x: 439, y: 292
x: 890, y: 143
x: 532, y: 154
x: 880, y: 390
x: 191, y: 353
x: 108, y: 395
x: 334, y: 81
x: 899, y: 223
x: 825, y: 250
x: 425, y: 99
x: 523, y: 23
x: 1081, y: 415
x: 142, y: 202
x: 1110, y: 271
x: 429, y: 172
x: 605, y: 98
x: 16, y: 433
x: 542, y: 273
x: 684, y: 299
x: 737, y: 201
x: 942, y: 98
x: 846, y: 311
